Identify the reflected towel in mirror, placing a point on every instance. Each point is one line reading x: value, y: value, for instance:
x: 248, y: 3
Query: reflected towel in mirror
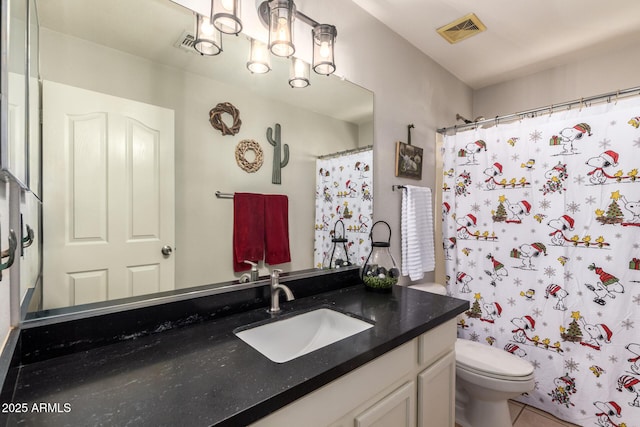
x: 276, y: 221
x: 248, y: 229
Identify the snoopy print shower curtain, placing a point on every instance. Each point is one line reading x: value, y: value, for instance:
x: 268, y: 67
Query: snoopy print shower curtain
x: 344, y: 192
x: 541, y: 230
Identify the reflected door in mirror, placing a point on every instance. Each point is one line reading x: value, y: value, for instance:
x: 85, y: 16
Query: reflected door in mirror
x: 108, y: 197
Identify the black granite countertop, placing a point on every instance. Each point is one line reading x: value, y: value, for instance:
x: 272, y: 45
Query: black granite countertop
x: 203, y: 375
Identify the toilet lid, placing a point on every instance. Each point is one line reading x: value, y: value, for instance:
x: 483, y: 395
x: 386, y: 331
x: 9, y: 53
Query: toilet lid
x: 491, y: 361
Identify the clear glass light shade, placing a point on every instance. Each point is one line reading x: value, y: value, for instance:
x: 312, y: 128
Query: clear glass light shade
x: 324, y: 38
x: 208, y: 38
x: 259, y: 58
x: 226, y: 16
x: 299, y: 73
x: 281, y: 15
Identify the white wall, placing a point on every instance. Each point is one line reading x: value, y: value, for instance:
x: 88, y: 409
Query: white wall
x: 409, y: 87
x: 607, y: 72
x: 205, y: 159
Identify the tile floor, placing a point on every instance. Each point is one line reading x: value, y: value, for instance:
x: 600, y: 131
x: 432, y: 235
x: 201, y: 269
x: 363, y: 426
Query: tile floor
x: 528, y: 416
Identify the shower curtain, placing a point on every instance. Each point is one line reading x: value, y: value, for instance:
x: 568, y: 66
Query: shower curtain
x: 344, y: 191
x: 541, y: 230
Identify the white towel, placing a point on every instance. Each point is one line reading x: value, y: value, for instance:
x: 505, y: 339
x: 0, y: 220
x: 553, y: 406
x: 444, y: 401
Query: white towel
x: 418, y: 253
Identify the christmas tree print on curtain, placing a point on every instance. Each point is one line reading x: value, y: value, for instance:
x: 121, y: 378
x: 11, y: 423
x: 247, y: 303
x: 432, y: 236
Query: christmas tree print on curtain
x: 344, y: 191
x: 541, y: 224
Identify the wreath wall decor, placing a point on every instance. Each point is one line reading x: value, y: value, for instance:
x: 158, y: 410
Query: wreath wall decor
x: 215, y: 118
x: 241, y: 151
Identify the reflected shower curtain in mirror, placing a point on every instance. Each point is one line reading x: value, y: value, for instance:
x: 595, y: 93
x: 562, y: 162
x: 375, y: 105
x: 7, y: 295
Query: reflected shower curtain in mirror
x: 541, y: 224
x: 344, y: 191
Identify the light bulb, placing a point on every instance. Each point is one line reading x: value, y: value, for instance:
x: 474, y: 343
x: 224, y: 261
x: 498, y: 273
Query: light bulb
x: 299, y: 67
x: 206, y: 28
x: 227, y: 5
x: 325, y: 51
x: 282, y: 29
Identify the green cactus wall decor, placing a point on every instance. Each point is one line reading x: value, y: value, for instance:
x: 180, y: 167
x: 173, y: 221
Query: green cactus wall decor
x: 278, y: 162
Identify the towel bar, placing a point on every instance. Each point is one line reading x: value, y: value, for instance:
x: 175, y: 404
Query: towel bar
x: 221, y: 195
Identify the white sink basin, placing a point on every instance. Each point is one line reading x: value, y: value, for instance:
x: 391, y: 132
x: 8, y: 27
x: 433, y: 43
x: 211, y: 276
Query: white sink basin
x: 286, y: 339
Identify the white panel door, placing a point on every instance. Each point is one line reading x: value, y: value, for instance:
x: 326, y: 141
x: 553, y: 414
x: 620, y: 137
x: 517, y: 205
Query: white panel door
x: 108, y: 197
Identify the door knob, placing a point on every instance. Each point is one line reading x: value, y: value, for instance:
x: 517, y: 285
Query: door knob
x: 166, y: 250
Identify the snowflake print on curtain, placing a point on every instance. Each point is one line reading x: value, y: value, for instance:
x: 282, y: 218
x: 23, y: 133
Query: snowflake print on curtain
x: 344, y: 191
x: 541, y: 223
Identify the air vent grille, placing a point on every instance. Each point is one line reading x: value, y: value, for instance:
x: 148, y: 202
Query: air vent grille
x: 462, y: 28
x: 185, y: 42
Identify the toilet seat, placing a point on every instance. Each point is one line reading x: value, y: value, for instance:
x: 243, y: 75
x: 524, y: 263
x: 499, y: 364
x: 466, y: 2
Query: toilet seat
x: 491, y: 362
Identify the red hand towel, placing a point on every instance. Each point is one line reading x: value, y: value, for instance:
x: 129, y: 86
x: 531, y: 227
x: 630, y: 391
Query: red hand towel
x: 276, y: 227
x: 248, y: 229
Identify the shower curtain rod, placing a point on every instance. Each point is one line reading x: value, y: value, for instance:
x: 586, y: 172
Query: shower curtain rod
x: 342, y: 153
x: 532, y: 113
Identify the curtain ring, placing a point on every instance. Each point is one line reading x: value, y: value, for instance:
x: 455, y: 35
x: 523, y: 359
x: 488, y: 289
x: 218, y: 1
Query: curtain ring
x: 497, y: 121
x: 617, y: 94
x: 581, y: 104
x: 551, y: 110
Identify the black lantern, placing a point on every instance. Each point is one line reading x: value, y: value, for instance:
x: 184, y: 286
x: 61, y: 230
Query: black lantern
x: 380, y: 272
x: 338, y: 256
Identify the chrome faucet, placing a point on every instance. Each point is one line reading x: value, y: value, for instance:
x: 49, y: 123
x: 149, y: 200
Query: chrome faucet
x: 276, y: 287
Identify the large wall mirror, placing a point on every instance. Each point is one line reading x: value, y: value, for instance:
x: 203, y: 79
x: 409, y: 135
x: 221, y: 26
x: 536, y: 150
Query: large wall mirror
x: 118, y: 68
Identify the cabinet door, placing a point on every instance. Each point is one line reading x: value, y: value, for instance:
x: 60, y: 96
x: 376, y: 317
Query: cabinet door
x: 436, y: 393
x: 398, y: 409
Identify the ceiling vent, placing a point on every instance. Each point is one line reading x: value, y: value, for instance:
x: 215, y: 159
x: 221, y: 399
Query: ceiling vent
x: 185, y: 42
x: 462, y: 28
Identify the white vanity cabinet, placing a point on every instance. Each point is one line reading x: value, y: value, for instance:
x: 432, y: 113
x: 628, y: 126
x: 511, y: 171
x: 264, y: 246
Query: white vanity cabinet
x: 412, y: 385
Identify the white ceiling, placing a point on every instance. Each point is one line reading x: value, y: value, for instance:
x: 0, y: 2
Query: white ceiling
x: 522, y: 37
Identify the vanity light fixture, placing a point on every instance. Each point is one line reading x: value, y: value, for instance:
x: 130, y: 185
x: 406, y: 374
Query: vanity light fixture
x: 208, y: 40
x: 226, y: 16
x: 278, y: 17
x: 259, y: 58
x: 281, y: 16
x: 324, y: 37
x: 298, y: 73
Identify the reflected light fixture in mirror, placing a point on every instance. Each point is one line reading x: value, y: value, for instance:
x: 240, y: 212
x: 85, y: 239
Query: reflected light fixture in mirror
x: 281, y: 15
x: 259, y: 58
x: 324, y: 37
x: 208, y: 39
x: 226, y: 16
x: 298, y: 73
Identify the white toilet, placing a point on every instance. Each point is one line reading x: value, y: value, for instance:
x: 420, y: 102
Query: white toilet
x: 486, y: 378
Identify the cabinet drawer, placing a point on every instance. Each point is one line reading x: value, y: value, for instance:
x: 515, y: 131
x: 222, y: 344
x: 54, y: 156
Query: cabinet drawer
x: 435, y: 343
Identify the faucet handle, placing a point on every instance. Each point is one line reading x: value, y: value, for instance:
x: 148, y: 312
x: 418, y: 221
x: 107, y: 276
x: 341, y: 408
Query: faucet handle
x: 276, y: 272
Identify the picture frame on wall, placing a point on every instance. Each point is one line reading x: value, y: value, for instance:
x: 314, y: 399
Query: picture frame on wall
x: 408, y: 161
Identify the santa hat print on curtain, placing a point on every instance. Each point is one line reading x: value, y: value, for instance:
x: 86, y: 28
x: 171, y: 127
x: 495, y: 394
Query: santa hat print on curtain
x: 546, y: 209
x: 611, y: 157
x: 583, y: 128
